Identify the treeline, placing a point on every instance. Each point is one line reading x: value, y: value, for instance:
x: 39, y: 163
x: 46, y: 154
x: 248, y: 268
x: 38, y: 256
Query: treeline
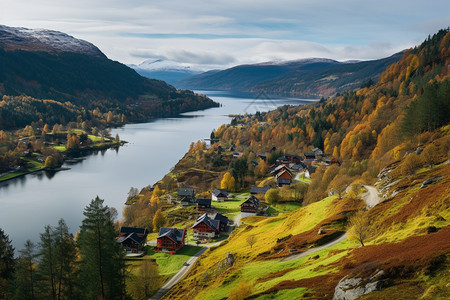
x: 88, y: 266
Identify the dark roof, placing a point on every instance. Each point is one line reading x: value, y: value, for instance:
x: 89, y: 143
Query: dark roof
x: 213, y: 224
x: 259, y: 190
x: 204, y: 202
x: 218, y: 192
x: 186, y: 192
x: 253, y: 200
x: 298, y: 166
x: 138, y: 230
x: 174, y: 234
x: 277, y: 169
x: 221, y: 218
x: 311, y: 169
x: 138, y: 239
x: 262, y: 155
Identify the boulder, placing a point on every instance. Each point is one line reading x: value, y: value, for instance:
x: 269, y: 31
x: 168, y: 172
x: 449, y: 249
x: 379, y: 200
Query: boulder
x: 353, y: 288
x: 430, y: 181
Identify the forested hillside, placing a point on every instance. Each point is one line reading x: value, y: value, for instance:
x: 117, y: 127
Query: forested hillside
x: 314, y: 77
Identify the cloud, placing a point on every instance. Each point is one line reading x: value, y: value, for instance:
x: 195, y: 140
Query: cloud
x: 222, y: 33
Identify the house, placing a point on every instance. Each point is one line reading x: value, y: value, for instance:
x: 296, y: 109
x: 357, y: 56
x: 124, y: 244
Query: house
x: 294, y: 158
x: 263, y: 156
x: 132, y: 239
x: 186, y: 195
x: 205, y: 227
x: 220, y: 195
x: 315, y: 153
x: 170, y: 239
x: 310, y: 170
x: 259, y: 190
x: 223, y: 222
x: 285, y: 173
x: 203, y: 204
x: 250, y: 206
x: 278, y: 169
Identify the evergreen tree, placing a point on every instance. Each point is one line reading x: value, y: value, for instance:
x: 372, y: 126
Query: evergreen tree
x: 24, y: 276
x: 47, y: 263
x: 102, y: 259
x: 6, y: 264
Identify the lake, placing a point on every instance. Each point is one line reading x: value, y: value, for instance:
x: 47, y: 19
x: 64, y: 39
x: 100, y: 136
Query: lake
x: 35, y: 200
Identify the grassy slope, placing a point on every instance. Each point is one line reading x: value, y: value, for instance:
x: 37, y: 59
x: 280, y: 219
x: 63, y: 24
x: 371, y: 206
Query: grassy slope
x: 399, y: 233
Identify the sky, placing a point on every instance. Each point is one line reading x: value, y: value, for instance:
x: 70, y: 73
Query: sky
x: 218, y: 34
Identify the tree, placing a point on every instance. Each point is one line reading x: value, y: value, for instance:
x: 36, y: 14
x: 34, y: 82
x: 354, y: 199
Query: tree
x: 272, y: 196
x: 251, y: 240
x: 24, y: 277
x: 410, y: 164
x: 158, y: 220
x: 339, y: 184
x: 228, y: 182
x: 430, y: 155
x: 6, y: 264
x: 142, y: 285
x: 359, y: 226
x: 50, y: 162
x: 299, y: 190
x: 101, y: 257
x: 47, y: 263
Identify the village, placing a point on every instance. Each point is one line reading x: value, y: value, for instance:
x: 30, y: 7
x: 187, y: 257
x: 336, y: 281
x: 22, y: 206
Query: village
x: 217, y: 215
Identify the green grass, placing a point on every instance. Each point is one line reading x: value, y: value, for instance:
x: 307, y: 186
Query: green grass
x: 94, y: 138
x: 60, y: 148
x: 285, y: 294
x: 230, y: 206
x: 170, y: 264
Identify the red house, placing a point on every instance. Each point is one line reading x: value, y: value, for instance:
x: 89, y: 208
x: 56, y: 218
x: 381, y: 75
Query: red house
x: 170, y: 239
x: 205, y: 227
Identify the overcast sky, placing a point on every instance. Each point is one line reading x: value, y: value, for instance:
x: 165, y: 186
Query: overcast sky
x: 218, y: 34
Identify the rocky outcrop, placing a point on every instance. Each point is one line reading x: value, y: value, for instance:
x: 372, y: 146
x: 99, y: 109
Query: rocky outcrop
x: 429, y: 181
x: 352, y: 288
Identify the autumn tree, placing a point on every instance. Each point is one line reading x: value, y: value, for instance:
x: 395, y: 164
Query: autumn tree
x: 158, y: 220
x: 50, y: 162
x: 430, y: 155
x: 228, y: 182
x: 339, y: 184
x: 241, y: 292
x: 410, y: 164
x: 359, y: 226
x: 272, y: 196
x: 251, y: 240
x: 142, y: 283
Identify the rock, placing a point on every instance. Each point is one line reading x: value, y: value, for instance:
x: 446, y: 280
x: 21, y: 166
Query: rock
x: 320, y: 231
x: 419, y: 150
x: 352, y: 288
x: 430, y: 181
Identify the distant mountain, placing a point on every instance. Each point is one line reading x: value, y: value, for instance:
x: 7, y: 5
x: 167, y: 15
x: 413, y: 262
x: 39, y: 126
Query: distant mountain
x: 168, y: 71
x: 315, y: 77
x: 47, y: 64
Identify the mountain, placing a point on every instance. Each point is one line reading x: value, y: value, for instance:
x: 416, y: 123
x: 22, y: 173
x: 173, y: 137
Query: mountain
x: 169, y: 71
x: 47, y: 64
x: 18, y: 38
x: 315, y: 77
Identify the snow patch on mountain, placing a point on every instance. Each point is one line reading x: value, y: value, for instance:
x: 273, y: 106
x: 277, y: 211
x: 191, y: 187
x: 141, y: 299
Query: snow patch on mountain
x: 19, y: 38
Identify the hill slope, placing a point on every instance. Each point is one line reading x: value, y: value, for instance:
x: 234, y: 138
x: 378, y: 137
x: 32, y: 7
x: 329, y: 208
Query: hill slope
x: 50, y: 65
x: 302, y: 78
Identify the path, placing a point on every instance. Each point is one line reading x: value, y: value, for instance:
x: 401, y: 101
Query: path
x: 370, y: 197
x: 297, y: 177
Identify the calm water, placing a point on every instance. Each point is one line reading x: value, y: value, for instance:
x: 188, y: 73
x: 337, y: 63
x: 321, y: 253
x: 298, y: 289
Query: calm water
x: 29, y: 203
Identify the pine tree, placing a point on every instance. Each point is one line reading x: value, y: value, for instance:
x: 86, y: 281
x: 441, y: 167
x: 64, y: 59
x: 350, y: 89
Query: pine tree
x: 102, y: 259
x: 24, y: 276
x: 47, y: 263
x: 6, y: 264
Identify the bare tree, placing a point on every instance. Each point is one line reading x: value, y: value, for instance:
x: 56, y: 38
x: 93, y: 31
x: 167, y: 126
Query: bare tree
x: 251, y: 240
x: 359, y: 226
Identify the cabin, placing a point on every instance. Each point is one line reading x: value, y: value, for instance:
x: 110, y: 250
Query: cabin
x: 205, y: 227
x: 278, y: 169
x: 170, y: 239
x: 259, y: 190
x: 223, y: 222
x: 132, y: 239
x: 250, y: 206
x: 203, y: 204
x: 310, y: 170
x: 186, y: 195
x: 220, y: 195
x: 262, y: 156
x: 294, y: 158
x: 315, y: 153
x: 286, y: 174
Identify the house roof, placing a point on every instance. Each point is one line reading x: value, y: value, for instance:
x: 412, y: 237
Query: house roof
x: 252, y: 199
x: 174, y: 234
x: 221, y: 218
x: 220, y: 192
x: 133, y: 236
x: 277, y: 169
x: 259, y: 190
x: 282, y: 172
x: 185, y: 192
x: 298, y: 166
x: 127, y: 230
x: 204, y: 202
x: 213, y: 224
